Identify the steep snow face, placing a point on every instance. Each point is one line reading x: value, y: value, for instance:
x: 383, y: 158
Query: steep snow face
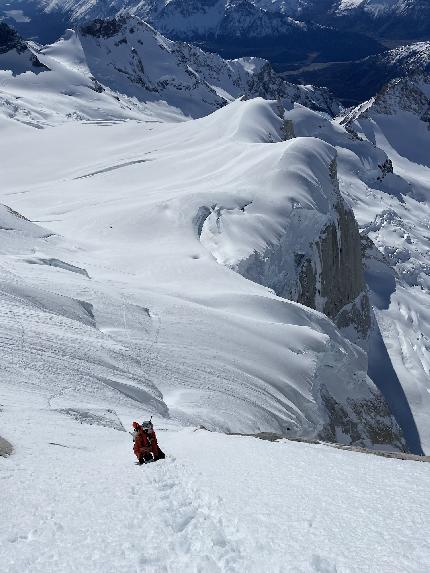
x: 217, y: 503
x: 162, y: 322
x: 123, y: 69
x: 384, y: 175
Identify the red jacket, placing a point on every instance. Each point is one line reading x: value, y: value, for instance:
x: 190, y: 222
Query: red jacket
x: 145, y: 442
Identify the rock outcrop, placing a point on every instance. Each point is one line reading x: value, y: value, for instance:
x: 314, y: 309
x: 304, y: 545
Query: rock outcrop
x: 6, y: 449
x: 15, y: 54
x: 328, y: 276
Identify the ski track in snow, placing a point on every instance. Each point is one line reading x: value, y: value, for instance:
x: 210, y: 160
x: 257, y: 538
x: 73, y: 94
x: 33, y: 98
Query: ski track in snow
x: 191, y: 524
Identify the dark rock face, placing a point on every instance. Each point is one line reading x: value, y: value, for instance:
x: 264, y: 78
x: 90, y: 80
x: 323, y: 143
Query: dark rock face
x: 104, y: 28
x: 6, y: 449
x: 9, y: 40
x: 341, y: 281
x: 369, y: 417
x: 386, y: 168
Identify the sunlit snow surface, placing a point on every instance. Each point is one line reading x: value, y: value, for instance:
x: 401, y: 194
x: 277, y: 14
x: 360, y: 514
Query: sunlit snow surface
x: 77, y: 502
x: 126, y: 298
x: 114, y: 305
x: 112, y: 310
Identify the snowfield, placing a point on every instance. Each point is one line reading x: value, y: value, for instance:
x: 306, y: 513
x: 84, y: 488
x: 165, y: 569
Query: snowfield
x: 139, y: 302
x: 77, y: 502
x: 113, y: 309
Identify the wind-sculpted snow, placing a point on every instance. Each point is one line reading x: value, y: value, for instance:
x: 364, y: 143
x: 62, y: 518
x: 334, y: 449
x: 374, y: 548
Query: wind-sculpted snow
x: 315, y: 255
x: 169, y: 326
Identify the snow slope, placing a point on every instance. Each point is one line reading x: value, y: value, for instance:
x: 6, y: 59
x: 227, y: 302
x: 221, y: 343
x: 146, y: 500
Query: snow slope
x: 208, y: 345
x: 216, y: 504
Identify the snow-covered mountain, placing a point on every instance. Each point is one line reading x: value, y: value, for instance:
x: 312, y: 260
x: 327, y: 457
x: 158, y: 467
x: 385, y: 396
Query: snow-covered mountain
x: 395, y: 19
x: 398, y: 121
x: 228, y: 265
x: 110, y: 68
x: 144, y: 59
x: 232, y: 28
x: 219, y: 227
x: 398, y: 19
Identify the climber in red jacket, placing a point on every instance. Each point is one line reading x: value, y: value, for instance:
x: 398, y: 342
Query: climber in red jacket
x: 145, y: 446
